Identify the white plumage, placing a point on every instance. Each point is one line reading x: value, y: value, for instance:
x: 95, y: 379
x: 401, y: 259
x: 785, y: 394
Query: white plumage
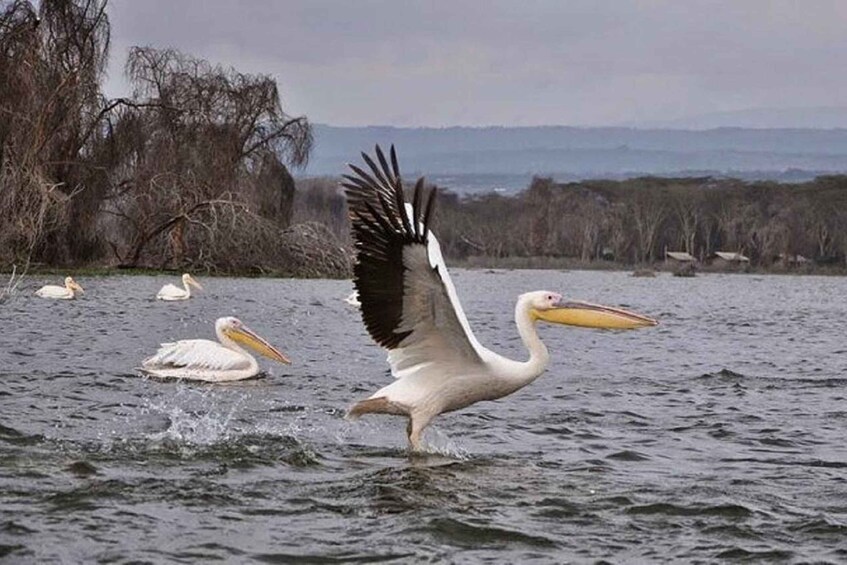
x: 172, y: 292
x: 67, y: 292
x: 206, y: 360
x: 410, y: 306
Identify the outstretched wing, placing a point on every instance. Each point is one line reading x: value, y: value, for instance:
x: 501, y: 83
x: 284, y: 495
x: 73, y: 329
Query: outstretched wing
x: 199, y: 354
x: 409, y: 304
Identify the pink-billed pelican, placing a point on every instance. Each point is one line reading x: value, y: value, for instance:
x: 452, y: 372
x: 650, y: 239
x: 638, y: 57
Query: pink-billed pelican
x: 410, y: 307
x: 206, y: 360
x: 173, y: 292
x: 67, y: 292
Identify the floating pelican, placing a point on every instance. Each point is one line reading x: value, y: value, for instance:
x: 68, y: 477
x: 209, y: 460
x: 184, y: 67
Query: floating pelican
x: 173, y: 292
x: 353, y: 299
x: 206, y: 360
x: 67, y: 292
x: 410, y: 307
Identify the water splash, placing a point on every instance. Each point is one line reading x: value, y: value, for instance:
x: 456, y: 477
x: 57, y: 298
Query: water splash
x: 195, y: 416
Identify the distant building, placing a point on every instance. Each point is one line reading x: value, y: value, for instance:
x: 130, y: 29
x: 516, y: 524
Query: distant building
x: 680, y: 256
x: 789, y: 259
x: 729, y: 259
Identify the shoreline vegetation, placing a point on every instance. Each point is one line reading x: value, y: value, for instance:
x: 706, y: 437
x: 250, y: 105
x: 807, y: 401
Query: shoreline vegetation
x: 193, y: 172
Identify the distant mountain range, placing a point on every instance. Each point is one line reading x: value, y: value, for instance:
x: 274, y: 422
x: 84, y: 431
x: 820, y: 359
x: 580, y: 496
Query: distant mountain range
x: 822, y: 117
x: 514, y: 154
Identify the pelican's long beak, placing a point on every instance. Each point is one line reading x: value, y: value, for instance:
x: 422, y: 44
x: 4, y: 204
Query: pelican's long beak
x: 194, y: 283
x: 587, y: 315
x: 248, y: 337
x: 75, y: 286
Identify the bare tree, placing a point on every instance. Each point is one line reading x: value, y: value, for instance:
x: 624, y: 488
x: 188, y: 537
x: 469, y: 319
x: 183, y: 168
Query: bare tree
x: 51, y: 64
x: 197, y: 137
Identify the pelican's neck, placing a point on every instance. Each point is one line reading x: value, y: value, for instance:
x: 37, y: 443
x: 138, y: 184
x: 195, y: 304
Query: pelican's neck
x: 187, y: 288
x: 229, y: 343
x: 538, y: 355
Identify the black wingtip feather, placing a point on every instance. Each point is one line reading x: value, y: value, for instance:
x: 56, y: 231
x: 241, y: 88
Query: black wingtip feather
x: 394, y: 164
x: 381, y: 231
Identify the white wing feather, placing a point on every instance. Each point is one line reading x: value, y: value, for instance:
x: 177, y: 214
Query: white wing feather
x: 172, y: 292
x: 441, y: 339
x: 199, y: 354
x: 53, y: 291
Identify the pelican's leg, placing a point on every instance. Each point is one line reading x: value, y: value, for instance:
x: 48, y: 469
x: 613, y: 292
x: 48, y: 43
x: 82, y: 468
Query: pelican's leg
x: 413, y: 430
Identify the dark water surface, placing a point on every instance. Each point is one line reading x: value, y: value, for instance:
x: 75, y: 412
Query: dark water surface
x: 718, y: 435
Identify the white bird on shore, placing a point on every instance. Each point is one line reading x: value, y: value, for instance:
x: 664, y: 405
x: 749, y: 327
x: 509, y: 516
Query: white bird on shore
x: 410, y: 307
x: 173, y: 292
x: 353, y: 299
x: 206, y: 360
x: 67, y: 292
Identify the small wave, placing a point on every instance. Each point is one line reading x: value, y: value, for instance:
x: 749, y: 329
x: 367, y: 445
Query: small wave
x: 822, y: 526
x: 470, y: 535
x: 749, y: 554
x: 13, y: 436
x: 723, y: 374
x: 727, y: 510
x: 323, y: 558
x: 558, y: 508
x: 791, y: 462
x: 628, y: 455
x: 82, y: 469
x: 6, y: 550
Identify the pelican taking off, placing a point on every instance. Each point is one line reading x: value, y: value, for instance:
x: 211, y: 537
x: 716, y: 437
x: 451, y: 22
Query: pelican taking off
x: 67, y: 292
x: 173, y: 292
x: 206, y: 360
x: 410, y: 307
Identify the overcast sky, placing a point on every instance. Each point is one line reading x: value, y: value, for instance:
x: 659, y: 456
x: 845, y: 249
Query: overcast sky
x: 492, y: 62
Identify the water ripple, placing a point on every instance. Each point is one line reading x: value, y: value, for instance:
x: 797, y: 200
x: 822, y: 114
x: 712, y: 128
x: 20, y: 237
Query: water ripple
x: 717, y: 436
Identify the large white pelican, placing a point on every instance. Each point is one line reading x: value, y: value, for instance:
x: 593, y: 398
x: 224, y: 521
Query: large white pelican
x: 67, y: 292
x: 173, y: 292
x: 206, y: 360
x: 353, y: 299
x: 410, y: 307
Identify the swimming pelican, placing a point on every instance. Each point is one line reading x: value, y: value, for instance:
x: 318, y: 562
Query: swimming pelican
x: 410, y: 307
x: 206, y: 360
x: 173, y: 292
x: 353, y: 299
x: 67, y: 292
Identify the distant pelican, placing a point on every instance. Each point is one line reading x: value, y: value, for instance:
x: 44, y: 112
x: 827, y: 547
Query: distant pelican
x: 206, y: 360
x: 353, y: 299
x: 67, y: 292
x: 410, y: 307
x: 173, y: 292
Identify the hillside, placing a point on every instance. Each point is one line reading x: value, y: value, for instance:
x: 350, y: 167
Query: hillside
x: 568, y: 153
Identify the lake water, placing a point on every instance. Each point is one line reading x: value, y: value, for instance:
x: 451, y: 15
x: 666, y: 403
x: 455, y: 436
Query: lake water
x: 718, y: 434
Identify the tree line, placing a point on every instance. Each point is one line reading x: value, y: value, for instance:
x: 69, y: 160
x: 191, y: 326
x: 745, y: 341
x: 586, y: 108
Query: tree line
x: 633, y: 222
x: 190, y: 170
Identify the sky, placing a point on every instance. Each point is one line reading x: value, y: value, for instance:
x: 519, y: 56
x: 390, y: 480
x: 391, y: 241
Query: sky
x: 513, y: 63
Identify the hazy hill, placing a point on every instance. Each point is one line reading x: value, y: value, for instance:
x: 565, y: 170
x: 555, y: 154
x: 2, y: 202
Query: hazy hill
x: 576, y: 153
x: 823, y: 117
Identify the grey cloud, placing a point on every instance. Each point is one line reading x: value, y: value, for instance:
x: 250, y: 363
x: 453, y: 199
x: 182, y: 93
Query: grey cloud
x: 502, y: 62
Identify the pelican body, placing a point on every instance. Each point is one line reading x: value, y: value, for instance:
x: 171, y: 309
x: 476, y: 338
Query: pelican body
x: 67, y: 292
x: 410, y: 307
x: 206, y: 360
x: 172, y: 292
